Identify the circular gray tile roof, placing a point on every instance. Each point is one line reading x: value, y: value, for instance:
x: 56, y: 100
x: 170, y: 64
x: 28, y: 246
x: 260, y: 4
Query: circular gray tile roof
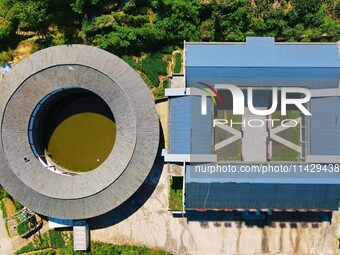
x: 96, y: 192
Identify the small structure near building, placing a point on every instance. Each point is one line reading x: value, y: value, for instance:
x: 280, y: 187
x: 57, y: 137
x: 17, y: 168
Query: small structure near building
x: 81, y: 235
x: 5, y: 68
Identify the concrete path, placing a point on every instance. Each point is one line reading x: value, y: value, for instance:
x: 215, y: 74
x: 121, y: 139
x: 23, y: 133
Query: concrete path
x: 5, y: 242
x: 254, y: 147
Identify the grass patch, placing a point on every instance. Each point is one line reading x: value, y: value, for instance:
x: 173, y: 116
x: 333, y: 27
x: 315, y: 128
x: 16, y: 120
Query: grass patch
x: 283, y: 153
x: 291, y: 114
x: 132, y: 62
x: 291, y: 134
x: 10, y: 208
x: 232, y: 152
x: 153, y: 66
x: 176, y: 193
x: 228, y: 115
x: 146, y: 80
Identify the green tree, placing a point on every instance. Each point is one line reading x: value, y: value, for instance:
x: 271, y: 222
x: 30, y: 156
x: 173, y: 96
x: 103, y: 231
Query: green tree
x: 32, y: 14
x: 84, y: 6
x: 3, y: 193
x: 8, y: 24
x: 178, y: 19
x: 231, y: 20
x: 337, y: 10
x: 304, y: 7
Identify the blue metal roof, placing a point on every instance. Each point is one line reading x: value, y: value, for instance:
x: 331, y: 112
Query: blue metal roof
x: 190, y: 131
x: 262, y: 62
x: 255, y: 195
x: 262, y: 52
x: 179, y: 125
x: 325, y: 126
x: 279, y: 178
x: 264, y: 76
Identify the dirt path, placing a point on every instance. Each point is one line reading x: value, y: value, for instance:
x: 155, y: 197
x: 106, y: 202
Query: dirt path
x: 24, y: 49
x: 5, y: 242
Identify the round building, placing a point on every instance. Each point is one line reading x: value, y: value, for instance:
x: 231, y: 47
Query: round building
x: 79, y: 132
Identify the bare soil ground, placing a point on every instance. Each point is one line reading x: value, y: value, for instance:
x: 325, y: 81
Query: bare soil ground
x: 154, y: 226
x: 162, y: 110
x: 5, y: 242
x: 24, y: 49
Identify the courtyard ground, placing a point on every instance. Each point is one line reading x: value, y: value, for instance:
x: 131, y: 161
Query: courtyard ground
x: 146, y: 220
x: 154, y: 226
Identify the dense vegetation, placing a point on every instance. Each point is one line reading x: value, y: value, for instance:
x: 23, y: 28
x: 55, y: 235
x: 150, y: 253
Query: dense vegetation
x: 51, y: 239
x: 138, y: 27
x: 56, y: 242
x: 178, y: 61
x: 142, y: 25
x: 3, y: 193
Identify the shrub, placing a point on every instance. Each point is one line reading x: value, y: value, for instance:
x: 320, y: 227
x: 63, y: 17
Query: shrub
x: 160, y: 93
x: 178, y: 62
x: 17, y: 205
x: 23, y: 227
x: 130, y: 61
x: 2, y: 208
x: 6, y: 56
x: 3, y: 193
x: 168, y: 49
x: 56, y: 239
x: 305, y: 39
x: 337, y: 10
x: 146, y: 80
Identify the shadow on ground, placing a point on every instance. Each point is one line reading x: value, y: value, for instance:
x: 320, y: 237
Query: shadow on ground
x: 278, y: 219
x: 137, y: 200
